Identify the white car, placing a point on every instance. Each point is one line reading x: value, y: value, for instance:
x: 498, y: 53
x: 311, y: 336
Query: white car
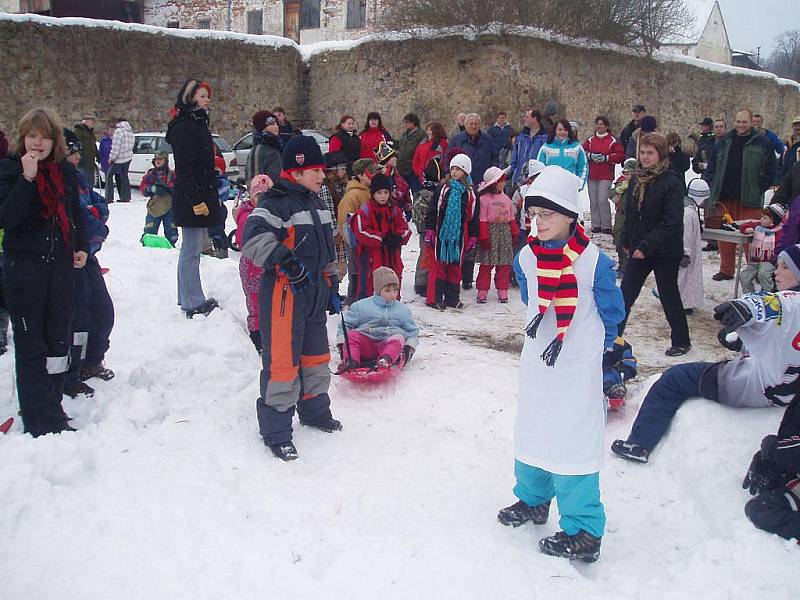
x: 148, y: 143
x: 245, y: 143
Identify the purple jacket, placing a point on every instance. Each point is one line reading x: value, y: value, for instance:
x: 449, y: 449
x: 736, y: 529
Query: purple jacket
x: 105, y: 151
x: 791, y: 230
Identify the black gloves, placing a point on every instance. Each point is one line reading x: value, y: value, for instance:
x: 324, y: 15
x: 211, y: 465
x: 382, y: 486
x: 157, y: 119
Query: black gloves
x: 685, y: 261
x: 392, y: 241
x: 733, y: 346
x: 762, y: 475
x: 293, y: 268
x: 732, y: 315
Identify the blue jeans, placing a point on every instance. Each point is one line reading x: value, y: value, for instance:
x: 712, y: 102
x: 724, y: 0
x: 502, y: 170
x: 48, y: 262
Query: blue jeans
x: 190, y: 288
x: 151, y: 225
x: 120, y: 171
x: 578, y: 497
x: 675, y: 386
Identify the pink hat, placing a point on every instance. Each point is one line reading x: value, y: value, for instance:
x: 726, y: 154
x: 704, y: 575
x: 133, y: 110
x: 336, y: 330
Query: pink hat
x: 259, y: 184
x: 492, y: 176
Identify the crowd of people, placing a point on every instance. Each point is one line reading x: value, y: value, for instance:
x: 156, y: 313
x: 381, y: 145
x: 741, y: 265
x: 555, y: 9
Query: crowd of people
x: 507, y: 200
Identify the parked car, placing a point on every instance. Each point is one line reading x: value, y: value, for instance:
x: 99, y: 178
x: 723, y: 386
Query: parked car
x: 245, y: 143
x: 148, y: 143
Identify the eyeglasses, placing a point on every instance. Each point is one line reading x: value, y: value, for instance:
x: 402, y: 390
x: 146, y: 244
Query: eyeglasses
x: 542, y: 216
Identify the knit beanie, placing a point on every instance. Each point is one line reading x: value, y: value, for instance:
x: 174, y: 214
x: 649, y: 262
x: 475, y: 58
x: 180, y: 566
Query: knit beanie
x: 648, y: 124
x: 777, y: 212
x: 301, y: 154
x: 380, y: 182
x: 791, y: 258
x: 362, y: 165
x: 334, y: 160
x: 258, y: 185
x: 555, y: 189
x: 463, y: 162
x: 383, y: 276
x: 698, y: 191
x: 263, y: 118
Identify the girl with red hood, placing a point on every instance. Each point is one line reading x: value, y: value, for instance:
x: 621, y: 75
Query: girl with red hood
x: 374, y: 133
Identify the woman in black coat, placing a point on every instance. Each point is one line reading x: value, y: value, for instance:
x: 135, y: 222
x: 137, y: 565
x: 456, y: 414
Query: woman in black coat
x: 45, y: 241
x: 653, y: 236
x: 195, y: 200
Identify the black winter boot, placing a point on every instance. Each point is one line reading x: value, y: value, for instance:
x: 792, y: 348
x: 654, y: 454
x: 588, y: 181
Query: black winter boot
x: 98, y: 371
x: 582, y: 545
x: 73, y: 390
x: 629, y: 451
x: 328, y: 425
x: 286, y: 452
x: 520, y: 513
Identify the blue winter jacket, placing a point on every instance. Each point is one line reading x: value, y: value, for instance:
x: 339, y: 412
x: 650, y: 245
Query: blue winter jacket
x: 568, y: 155
x: 480, y: 151
x: 379, y: 320
x: 501, y: 138
x: 526, y: 147
x: 94, y: 214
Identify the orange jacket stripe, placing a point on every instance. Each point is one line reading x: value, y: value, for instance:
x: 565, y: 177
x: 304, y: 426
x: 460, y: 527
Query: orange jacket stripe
x: 315, y: 360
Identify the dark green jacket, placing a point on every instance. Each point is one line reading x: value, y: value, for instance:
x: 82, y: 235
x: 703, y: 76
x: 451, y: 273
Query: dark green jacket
x: 89, y: 147
x: 758, y: 169
x: 407, y: 146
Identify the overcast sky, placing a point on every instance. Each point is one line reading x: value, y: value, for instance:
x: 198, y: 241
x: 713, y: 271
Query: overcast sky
x: 752, y: 23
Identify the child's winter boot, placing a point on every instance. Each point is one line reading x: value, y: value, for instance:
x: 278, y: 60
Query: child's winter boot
x: 482, y: 294
x: 502, y: 296
x: 79, y: 388
x: 285, y: 452
x: 582, y: 545
x: 328, y: 425
x: 629, y: 451
x: 520, y: 513
x: 99, y: 371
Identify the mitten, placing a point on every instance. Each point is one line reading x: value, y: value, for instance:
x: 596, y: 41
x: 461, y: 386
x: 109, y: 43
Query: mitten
x: 201, y: 210
x: 293, y: 268
x: 732, y: 314
x: 734, y: 346
x: 762, y: 476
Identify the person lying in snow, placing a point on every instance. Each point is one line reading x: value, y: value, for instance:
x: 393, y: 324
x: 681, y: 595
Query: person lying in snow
x: 378, y: 327
x: 774, y: 478
x: 619, y: 365
x: 765, y: 375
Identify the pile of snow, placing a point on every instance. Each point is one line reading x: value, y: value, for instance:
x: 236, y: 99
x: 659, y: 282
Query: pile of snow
x: 166, y: 490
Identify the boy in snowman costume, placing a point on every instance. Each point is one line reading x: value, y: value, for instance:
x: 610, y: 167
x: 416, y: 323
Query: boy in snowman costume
x: 574, y: 308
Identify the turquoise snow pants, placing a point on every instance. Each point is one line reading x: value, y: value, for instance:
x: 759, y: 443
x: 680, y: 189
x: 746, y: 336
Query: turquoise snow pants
x: 578, y: 497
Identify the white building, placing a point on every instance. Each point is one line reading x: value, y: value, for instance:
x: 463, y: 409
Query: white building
x: 712, y: 44
x: 304, y: 21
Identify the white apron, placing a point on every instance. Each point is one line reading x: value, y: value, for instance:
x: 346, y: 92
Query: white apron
x: 561, y: 419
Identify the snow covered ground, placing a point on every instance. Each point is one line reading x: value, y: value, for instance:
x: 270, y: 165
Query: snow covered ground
x: 166, y: 490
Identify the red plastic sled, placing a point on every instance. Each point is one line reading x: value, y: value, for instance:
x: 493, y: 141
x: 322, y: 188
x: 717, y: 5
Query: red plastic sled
x: 371, y: 374
x: 4, y: 428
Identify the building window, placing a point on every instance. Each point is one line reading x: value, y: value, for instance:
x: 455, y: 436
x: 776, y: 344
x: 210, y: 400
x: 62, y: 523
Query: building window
x: 255, y: 22
x: 309, y: 14
x: 356, y: 14
x: 204, y: 23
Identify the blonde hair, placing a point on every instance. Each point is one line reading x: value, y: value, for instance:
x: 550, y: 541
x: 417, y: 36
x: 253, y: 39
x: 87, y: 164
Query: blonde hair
x: 46, y: 123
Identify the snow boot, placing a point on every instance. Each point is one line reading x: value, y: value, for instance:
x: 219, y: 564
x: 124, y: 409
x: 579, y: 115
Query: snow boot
x: 73, y: 390
x: 384, y: 362
x: 328, y: 425
x: 502, y: 296
x: 99, y: 371
x: 582, y: 545
x: 627, y: 450
x: 204, y: 309
x: 520, y: 513
x: 286, y: 452
x: 482, y: 294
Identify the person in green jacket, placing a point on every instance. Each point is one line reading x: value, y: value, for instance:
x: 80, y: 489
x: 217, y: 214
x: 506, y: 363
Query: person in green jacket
x: 412, y: 137
x: 741, y: 168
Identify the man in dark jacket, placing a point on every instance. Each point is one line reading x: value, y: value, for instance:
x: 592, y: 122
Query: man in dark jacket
x: 286, y: 130
x: 290, y: 235
x: 705, y: 146
x: 528, y: 143
x: 85, y: 132
x: 477, y: 145
x: 638, y: 112
x: 793, y: 149
x: 265, y: 155
x: 500, y: 133
x: 412, y: 137
x: 741, y: 169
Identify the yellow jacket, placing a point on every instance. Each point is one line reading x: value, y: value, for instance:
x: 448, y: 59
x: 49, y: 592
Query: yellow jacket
x: 356, y: 196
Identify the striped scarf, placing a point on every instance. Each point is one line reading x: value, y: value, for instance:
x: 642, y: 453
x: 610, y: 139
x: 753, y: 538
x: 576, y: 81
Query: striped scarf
x: 557, y: 285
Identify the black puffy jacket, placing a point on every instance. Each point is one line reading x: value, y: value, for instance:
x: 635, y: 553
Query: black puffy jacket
x: 26, y: 230
x: 657, y: 227
x: 195, y: 179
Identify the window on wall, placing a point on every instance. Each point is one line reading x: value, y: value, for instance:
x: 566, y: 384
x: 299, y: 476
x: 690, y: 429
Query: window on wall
x: 309, y: 14
x: 204, y: 23
x: 356, y: 14
x: 255, y: 22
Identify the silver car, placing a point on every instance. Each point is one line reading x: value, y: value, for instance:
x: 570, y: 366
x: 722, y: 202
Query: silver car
x: 245, y: 143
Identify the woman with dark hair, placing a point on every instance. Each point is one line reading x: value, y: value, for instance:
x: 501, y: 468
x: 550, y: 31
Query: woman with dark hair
x: 45, y: 241
x: 195, y: 200
x: 653, y: 236
x: 563, y: 150
x: 679, y: 161
x: 346, y: 140
x: 373, y: 134
x: 435, y: 146
x: 603, y: 151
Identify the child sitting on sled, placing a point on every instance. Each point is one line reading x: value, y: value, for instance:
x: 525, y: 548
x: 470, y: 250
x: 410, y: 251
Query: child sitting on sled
x: 378, y: 327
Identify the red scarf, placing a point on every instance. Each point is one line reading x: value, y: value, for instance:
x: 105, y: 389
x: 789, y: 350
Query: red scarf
x: 557, y: 285
x: 50, y: 185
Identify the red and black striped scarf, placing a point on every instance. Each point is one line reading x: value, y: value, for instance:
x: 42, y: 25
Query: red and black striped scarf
x: 52, y: 192
x: 557, y: 285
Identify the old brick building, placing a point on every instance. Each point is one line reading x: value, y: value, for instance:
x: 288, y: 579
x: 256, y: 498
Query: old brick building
x: 304, y: 21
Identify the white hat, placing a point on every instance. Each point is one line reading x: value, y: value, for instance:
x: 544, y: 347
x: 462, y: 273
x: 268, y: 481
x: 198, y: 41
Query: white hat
x: 491, y: 176
x: 534, y: 167
x: 698, y: 191
x: 463, y: 162
x: 555, y: 189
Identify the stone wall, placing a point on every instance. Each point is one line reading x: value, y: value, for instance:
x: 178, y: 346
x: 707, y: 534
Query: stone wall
x: 437, y: 78
x: 135, y: 74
